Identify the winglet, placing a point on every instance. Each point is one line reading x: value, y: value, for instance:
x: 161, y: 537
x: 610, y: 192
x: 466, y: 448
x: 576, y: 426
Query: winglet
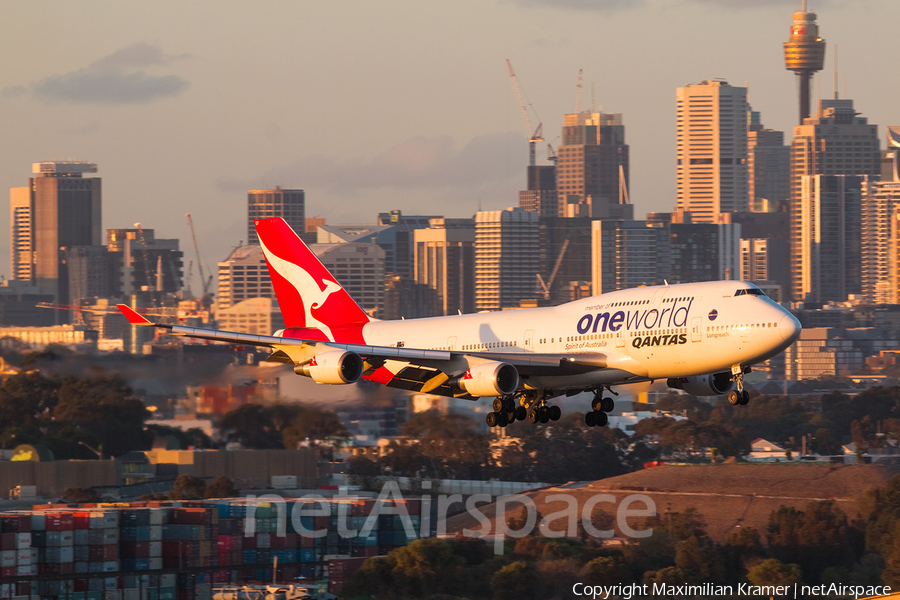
x: 133, y: 317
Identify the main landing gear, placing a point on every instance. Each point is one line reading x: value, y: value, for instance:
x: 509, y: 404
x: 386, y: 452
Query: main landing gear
x: 740, y: 396
x: 530, y: 409
x: 601, y: 406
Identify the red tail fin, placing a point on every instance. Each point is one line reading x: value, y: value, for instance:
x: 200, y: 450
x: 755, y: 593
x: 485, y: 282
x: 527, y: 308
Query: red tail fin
x: 308, y: 294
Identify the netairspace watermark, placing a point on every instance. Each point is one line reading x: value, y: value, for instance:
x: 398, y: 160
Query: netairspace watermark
x: 390, y: 501
x: 795, y: 591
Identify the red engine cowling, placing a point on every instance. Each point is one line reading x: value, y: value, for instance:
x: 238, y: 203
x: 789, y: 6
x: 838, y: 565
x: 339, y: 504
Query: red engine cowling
x: 490, y: 379
x: 333, y: 367
x: 703, y: 385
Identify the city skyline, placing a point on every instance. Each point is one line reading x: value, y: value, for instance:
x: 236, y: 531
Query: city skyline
x: 376, y: 114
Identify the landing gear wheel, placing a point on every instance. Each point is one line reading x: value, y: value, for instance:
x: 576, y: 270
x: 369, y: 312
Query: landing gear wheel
x: 745, y: 398
x: 521, y: 413
x: 491, y: 419
x: 555, y: 413
x: 607, y: 405
x: 497, y: 404
x: 734, y: 397
x: 544, y: 414
x: 533, y: 416
x: 596, y: 403
x: 502, y: 419
x: 601, y: 418
x: 590, y: 419
x: 509, y: 405
x: 511, y: 416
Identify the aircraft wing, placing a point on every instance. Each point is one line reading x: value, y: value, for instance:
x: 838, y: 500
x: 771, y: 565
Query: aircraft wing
x: 415, y: 369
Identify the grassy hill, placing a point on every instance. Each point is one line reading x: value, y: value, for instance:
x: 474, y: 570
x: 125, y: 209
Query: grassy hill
x: 727, y: 496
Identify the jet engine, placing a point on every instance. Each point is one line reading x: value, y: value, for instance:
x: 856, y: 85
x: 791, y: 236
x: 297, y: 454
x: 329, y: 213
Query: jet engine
x: 490, y: 379
x: 703, y: 385
x: 333, y: 367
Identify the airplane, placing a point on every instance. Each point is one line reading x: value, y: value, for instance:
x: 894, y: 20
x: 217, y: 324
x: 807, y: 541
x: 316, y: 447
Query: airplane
x: 701, y: 338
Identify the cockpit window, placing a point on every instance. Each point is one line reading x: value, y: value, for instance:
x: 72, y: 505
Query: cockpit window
x: 750, y: 292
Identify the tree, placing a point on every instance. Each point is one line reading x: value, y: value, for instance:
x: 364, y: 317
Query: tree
x: 426, y: 567
x: 221, y: 487
x: 187, y: 487
x: 515, y: 581
x: 775, y: 572
x: 251, y: 426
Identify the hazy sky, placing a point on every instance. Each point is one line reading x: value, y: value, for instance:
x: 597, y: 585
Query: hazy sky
x: 371, y: 106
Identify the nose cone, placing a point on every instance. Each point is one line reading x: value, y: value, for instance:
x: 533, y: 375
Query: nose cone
x: 790, y: 328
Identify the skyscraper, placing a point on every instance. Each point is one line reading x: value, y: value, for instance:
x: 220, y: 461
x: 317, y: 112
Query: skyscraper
x: 711, y: 150
x: 834, y: 142
x: 768, y: 167
x: 828, y: 242
x: 881, y: 242
x: 445, y: 261
x: 592, y: 166
x: 506, y: 257
x: 541, y: 196
x: 60, y: 209
x: 267, y: 204
x: 627, y: 254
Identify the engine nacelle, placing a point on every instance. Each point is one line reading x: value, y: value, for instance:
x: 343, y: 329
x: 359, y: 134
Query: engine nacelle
x: 703, y: 385
x: 490, y: 379
x: 333, y: 367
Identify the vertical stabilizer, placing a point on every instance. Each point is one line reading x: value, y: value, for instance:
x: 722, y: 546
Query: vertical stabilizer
x: 309, y: 296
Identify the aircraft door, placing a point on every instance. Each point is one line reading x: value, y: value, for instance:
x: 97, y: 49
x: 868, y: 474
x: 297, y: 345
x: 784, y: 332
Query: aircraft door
x: 529, y: 340
x: 451, y: 343
x: 695, y: 329
x: 620, y: 339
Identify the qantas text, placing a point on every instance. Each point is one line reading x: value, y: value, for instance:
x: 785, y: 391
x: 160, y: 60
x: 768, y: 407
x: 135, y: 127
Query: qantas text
x: 672, y: 315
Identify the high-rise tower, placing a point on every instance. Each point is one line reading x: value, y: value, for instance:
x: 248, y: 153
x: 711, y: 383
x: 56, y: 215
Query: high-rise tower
x: 593, y: 165
x: 804, y: 53
x: 59, y: 209
x: 711, y: 150
x: 266, y: 204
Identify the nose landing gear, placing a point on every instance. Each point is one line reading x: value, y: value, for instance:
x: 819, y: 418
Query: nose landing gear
x: 740, y: 396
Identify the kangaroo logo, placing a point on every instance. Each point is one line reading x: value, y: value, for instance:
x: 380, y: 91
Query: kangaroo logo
x: 313, y: 296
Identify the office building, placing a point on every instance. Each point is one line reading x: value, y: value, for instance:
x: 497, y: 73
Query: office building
x: 59, y: 209
x: 565, y: 257
x: 267, y: 204
x: 541, y: 194
x: 628, y: 254
x: 704, y: 251
x: 836, y: 141
x: 506, y: 257
x: 828, y: 244
x: 711, y: 150
x: 763, y: 263
x: 359, y: 268
x: 768, y: 168
x: 243, y: 276
x: 259, y: 316
x: 445, y: 262
x: 592, y: 167
x: 881, y: 242
x: 21, y: 234
x: 143, y: 262
x: 402, y: 262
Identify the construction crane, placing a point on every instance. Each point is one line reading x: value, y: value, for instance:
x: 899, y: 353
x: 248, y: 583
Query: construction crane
x: 538, y: 135
x: 203, y: 280
x: 545, y: 287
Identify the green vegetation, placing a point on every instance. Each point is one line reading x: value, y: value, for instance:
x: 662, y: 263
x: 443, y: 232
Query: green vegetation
x: 816, y: 545
x: 72, y: 417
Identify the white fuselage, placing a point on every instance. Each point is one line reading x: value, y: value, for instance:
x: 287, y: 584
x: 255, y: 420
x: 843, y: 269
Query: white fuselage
x: 650, y: 332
